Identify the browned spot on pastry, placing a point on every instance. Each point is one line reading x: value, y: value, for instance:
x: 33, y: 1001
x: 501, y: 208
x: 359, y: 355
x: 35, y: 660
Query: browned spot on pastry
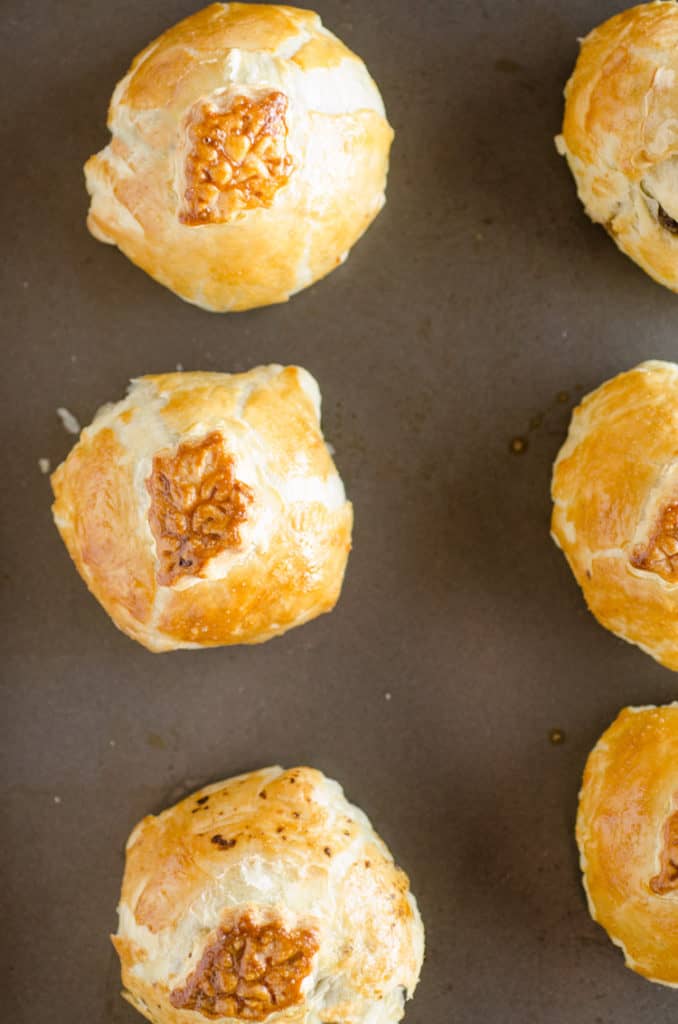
x: 667, y: 879
x: 661, y: 554
x: 249, y: 971
x: 224, y: 844
x: 238, y: 158
x: 197, y: 506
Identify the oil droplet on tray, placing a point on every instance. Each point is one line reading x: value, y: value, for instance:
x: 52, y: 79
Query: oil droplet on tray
x: 518, y: 446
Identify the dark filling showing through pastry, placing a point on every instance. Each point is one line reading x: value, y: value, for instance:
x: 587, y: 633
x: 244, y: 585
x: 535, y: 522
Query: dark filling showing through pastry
x: 249, y: 971
x: 665, y: 219
x: 667, y: 879
x: 667, y: 222
x: 660, y: 555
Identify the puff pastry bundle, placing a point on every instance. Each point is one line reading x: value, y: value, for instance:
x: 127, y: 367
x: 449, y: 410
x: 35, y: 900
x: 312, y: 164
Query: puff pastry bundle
x: 620, y: 133
x: 205, y: 508
x: 627, y: 831
x: 266, y: 897
x: 615, y: 515
x: 249, y: 152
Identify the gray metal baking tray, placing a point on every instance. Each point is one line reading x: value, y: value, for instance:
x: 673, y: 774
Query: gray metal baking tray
x: 478, y: 308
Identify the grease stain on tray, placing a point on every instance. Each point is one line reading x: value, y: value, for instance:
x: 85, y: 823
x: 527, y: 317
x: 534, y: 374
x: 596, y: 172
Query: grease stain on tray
x: 518, y: 445
x: 155, y: 741
x: 508, y: 66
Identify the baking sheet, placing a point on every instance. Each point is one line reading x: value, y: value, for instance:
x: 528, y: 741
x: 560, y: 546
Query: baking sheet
x: 477, y: 310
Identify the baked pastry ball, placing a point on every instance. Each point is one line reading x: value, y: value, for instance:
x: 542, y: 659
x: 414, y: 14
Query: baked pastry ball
x: 627, y: 831
x: 620, y: 134
x: 205, y: 509
x: 615, y: 514
x: 249, y: 152
x: 266, y: 897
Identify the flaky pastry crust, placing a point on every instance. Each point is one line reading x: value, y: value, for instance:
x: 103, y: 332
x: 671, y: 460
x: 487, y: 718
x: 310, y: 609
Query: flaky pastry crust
x: 620, y: 133
x: 205, y: 508
x: 266, y: 897
x: 615, y: 513
x: 627, y: 831
x: 249, y: 152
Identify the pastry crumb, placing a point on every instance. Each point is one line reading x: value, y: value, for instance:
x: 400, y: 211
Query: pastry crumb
x: 44, y: 465
x: 70, y: 423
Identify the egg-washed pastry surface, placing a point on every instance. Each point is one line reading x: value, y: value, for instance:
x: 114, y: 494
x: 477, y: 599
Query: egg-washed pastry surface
x: 267, y: 897
x: 249, y: 152
x: 615, y: 513
x: 627, y: 831
x: 205, y: 508
x: 620, y: 133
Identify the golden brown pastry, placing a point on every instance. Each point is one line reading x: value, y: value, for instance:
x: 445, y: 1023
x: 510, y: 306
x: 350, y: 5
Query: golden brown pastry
x: 615, y: 515
x: 627, y: 831
x: 620, y: 134
x: 249, y: 152
x: 266, y: 897
x: 205, y: 508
